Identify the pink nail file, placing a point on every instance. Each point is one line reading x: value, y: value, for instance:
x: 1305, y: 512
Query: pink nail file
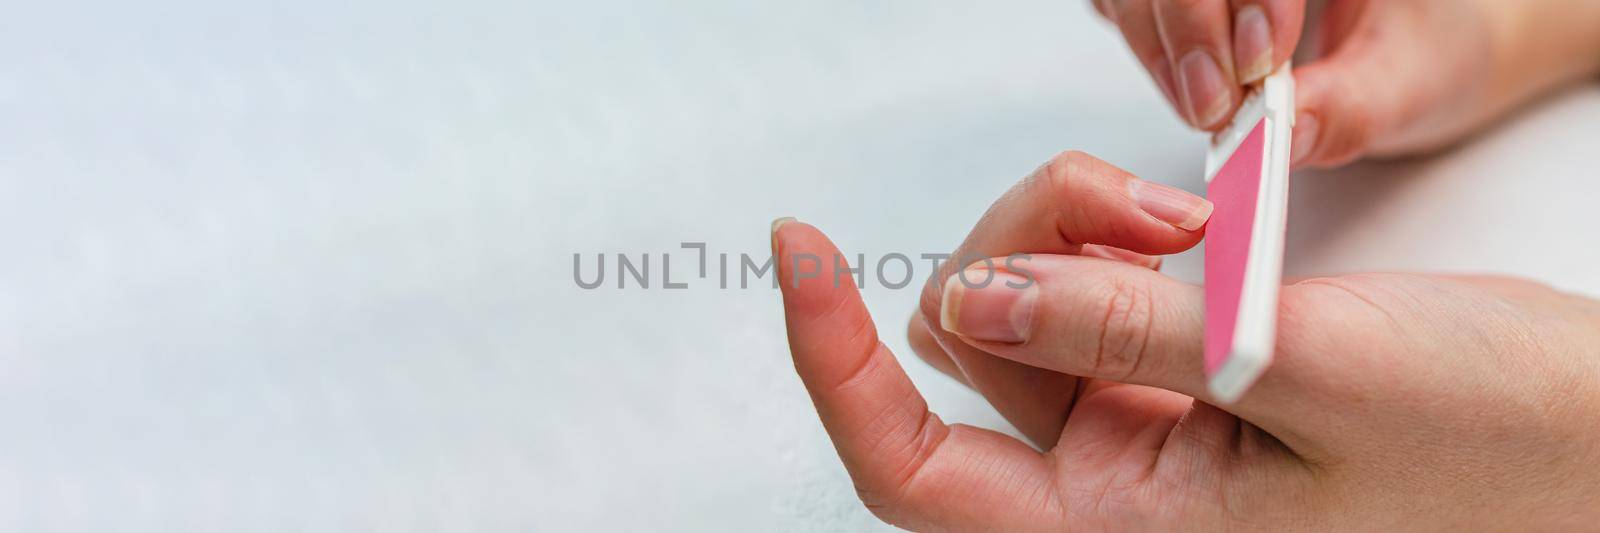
x: 1247, y: 180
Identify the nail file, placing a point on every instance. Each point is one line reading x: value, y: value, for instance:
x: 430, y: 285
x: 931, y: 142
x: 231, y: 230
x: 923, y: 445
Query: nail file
x: 1247, y: 181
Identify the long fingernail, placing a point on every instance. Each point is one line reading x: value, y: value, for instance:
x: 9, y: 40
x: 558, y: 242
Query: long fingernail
x: 988, y: 305
x: 1304, y: 138
x: 1205, y: 91
x: 1172, y: 205
x: 1252, y: 44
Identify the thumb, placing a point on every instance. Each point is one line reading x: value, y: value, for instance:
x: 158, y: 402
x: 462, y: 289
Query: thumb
x: 1342, y: 105
x: 1377, y: 91
x: 1090, y: 317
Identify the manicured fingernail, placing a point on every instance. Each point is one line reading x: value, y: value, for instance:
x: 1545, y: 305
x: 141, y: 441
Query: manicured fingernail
x: 1172, y: 205
x: 1205, y: 91
x: 779, y: 222
x: 1304, y: 138
x: 1252, y: 44
x: 988, y: 305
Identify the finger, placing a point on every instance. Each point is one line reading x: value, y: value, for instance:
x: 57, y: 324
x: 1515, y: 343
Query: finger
x: 1373, y: 92
x: 1095, y: 319
x: 1036, y: 401
x: 927, y: 347
x: 909, y: 468
x: 1337, y: 112
x: 1137, y: 21
x: 1264, y: 35
x: 1152, y: 262
x: 1072, y: 200
x: 1197, y: 36
x: 1334, y: 22
x: 1076, y: 199
x: 1100, y: 7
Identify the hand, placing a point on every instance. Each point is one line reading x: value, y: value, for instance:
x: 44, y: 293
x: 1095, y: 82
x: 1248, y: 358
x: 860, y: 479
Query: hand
x: 1395, y: 401
x: 1384, y: 77
x: 1201, y: 53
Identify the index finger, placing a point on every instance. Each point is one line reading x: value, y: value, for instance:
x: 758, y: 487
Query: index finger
x: 1073, y: 200
x: 909, y: 468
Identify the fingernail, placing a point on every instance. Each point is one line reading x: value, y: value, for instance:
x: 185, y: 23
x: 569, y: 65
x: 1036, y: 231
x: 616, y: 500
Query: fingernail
x: 1205, y: 91
x: 780, y: 221
x: 1118, y: 254
x: 1304, y: 138
x: 1172, y: 205
x: 1252, y: 44
x: 777, y: 223
x: 988, y: 305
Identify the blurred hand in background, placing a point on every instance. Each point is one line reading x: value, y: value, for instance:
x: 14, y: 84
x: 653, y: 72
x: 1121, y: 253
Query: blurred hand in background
x: 1388, y: 77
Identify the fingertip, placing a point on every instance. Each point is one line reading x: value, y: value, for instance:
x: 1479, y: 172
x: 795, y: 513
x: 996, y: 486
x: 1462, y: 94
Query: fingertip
x: 1253, y: 47
x: 810, y: 271
x: 1181, y: 209
x: 1288, y: 24
x: 1097, y: 203
x: 1265, y: 35
x: 778, y: 223
x: 1209, y: 92
x: 772, y: 236
x: 1303, y: 141
x: 827, y: 321
x: 950, y: 303
x: 1334, y: 118
x: 1196, y: 34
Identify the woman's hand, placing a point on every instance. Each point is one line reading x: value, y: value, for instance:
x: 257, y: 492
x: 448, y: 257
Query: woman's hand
x: 1394, y: 402
x: 1384, y: 77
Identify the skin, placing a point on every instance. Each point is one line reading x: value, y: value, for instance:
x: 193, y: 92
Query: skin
x: 1395, y: 401
x: 1389, y: 77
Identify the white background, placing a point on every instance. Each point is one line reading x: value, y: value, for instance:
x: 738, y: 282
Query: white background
x: 309, y: 266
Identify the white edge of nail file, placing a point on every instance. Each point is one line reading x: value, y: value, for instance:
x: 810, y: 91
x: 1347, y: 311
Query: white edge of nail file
x: 1249, y: 347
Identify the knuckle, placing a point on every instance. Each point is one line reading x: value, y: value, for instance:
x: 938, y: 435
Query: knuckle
x: 1124, y: 330
x: 1063, y: 177
x: 892, y: 494
x: 1063, y: 167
